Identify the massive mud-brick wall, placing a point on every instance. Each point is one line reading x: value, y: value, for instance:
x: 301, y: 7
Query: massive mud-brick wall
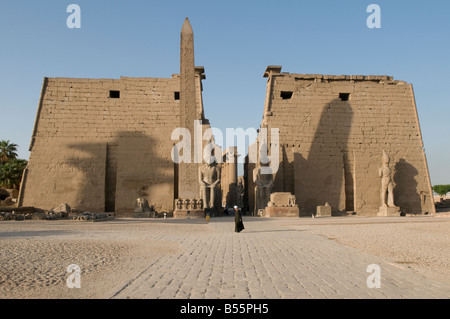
x: 98, y: 144
x: 333, y: 130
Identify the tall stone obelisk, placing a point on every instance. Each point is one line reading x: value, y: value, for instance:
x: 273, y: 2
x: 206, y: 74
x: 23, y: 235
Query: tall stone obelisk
x: 188, y: 187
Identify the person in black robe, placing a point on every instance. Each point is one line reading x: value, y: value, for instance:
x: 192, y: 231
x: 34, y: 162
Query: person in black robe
x: 239, y: 225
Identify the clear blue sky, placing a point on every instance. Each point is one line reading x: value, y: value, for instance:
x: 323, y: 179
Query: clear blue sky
x: 234, y: 41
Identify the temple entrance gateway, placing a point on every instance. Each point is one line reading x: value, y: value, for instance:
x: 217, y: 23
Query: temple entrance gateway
x: 326, y: 136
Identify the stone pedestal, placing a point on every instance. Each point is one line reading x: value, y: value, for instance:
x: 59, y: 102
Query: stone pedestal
x: 194, y: 213
x: 193, y: 206
x: 144, y: 215
x: 281, y: 205
x: 389, y: 211
x: 322, y: 211
x: 274, y: 211
x: 142, y: 209
x: 282, y: 199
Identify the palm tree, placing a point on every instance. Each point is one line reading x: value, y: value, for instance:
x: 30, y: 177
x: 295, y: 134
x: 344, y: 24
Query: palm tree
x: 7, y: 151
x: 11, y: 173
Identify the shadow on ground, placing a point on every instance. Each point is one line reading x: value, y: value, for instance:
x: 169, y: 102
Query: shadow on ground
x: 37, y: 233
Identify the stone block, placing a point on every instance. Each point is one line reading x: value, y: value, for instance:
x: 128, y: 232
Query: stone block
x: 323, y: 210
x: 282, y: 199
x: 281, y: 212
x: 389, y: 211
x: 193, y: 213
x: 144, y: 214
x: 63, y: 208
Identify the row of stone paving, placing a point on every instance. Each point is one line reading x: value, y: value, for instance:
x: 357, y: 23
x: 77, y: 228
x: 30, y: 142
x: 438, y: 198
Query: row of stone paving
x: 268, y: 260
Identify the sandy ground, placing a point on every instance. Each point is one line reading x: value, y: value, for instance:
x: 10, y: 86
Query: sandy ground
x: 34, y: 255
x: 420, y: 243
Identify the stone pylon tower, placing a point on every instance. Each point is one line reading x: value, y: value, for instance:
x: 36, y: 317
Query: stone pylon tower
x: 188, y: 172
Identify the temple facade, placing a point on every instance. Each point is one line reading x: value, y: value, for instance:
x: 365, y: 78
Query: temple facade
x: 333, y: 132
x: 111, y: 145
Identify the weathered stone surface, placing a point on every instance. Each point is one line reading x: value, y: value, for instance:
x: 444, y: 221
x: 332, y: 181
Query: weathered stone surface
x: 143, y: 210
x: 282, y: 199
x: 209, y: 179
x: 144, y: 215
x: 189, y: 213
x: 232, y: 185
x: 188, y: 172
x: 324, y: 210
x: 263, y: 187
x: 92, y: 216
x: 389, y: 211
x: 387, y: 184
x: 281, y: 211
x: 142, y: 206
x: 98, y: 144
x: 99, y: 153
x: 332, y: 130
x: 63, y: 208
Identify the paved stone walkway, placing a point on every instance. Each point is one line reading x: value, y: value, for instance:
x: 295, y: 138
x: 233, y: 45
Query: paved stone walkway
x: 271, y: 260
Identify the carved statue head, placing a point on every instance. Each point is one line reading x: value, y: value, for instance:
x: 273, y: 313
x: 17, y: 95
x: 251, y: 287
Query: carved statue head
x: 208, y: 160
x: 263, y: 159
x: 209, y: 157
x: 386, y: 159
x: 141, y: 202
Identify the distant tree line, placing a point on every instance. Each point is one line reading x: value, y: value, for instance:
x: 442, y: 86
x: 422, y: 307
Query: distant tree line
x: 11, y: 167
x: 441, y: 189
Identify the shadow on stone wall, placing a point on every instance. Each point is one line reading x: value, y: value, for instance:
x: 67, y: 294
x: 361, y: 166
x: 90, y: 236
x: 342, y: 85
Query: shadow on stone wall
x: 231, y: 196
x: 325, y: 174
x: 119, y: 171
x: 284, y: 179
x: 405, y: 190
x: 320, y: 177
